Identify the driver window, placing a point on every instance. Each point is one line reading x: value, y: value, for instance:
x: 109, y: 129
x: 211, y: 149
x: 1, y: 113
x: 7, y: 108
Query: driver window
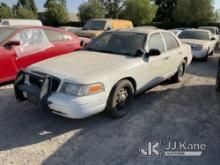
x: 156, y: 42
x: 103, y: 42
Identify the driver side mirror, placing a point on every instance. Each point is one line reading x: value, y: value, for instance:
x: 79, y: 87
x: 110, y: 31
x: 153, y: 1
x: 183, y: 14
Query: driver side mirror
x: 13, y: 43
x: 108, y: 28
x: 154, y: 52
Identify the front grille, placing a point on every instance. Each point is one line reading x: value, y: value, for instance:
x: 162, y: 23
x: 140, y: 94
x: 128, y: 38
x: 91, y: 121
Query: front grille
x: 37, y: 79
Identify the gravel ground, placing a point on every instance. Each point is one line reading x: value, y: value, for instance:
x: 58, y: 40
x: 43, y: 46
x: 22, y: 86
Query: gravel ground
x: 188, y: 111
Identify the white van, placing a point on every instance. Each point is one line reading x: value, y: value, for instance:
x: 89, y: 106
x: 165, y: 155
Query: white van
x: 8, y: 22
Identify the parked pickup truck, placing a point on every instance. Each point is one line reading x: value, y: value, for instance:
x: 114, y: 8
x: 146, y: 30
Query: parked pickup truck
x: 106, y: 74
x: 95, y: 27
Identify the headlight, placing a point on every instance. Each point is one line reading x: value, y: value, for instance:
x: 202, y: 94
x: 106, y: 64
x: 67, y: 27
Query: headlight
x: 82, y: 90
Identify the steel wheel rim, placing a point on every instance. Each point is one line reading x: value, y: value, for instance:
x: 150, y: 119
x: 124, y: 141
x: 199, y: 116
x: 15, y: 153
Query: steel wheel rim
x: 122, y: 99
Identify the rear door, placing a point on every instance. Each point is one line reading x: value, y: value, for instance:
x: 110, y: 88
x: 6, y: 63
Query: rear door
x: 172, y: 55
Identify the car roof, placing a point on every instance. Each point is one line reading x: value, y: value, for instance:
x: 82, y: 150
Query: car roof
x: 108, y: 19
x: 212, y: 27
x: 144, y: 30
x: 203, y: 30
x: 20, y: 27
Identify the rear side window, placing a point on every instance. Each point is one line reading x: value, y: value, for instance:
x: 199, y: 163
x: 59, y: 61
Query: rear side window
x: 55, y: 36
x: 156, y: 42
x: 170, y: 41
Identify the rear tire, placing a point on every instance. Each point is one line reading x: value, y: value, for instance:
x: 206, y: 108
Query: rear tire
x: 120, y: 99
x: 178, y: 77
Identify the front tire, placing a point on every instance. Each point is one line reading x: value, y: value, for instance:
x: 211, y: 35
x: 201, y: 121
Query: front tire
x: 120, y: 99
x: 178, y: 77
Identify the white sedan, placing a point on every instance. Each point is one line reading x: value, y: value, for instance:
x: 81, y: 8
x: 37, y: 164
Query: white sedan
x: 202, y: 42
x: 106, y: 74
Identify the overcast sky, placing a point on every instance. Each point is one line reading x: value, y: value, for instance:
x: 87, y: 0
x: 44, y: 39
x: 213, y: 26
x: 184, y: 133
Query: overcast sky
x: 73, y: 4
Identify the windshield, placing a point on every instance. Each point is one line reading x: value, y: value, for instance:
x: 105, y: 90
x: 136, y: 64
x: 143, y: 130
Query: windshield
x: 94, y: 25
x: 198, y: 35
x: 122, y: 43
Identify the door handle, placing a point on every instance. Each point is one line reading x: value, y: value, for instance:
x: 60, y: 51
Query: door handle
x: 166, y: 58
x: 69, y: 45
x: 180, y: 53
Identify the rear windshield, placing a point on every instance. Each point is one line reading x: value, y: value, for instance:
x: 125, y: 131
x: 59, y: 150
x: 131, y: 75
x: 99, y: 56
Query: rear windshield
x: 94, y: 25
x: 199, y: 35
x: 5, y: 33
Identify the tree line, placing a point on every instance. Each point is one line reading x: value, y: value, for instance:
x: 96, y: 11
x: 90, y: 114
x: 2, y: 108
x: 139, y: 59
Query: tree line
x: 56, y: 12
x: 141, y: 12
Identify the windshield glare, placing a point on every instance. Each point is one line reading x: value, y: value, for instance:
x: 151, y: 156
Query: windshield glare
x: 5, y: 33
x: 199, y: 35
x: 123, y: 43
x: 94, y: 25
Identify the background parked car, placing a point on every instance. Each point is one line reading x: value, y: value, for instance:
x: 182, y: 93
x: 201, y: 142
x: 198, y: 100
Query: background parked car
x: 214, y: 30
x: 107, y: 74
x: 218, y: 77
x: 202, y: 42
x: 21, y: 46
x: 95, y: 27
x: 13, y: 22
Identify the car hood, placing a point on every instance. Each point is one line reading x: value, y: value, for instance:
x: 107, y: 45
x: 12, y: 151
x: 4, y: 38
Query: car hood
x: 81, y: 66
x: 88, y: 33
x: 195, y: 42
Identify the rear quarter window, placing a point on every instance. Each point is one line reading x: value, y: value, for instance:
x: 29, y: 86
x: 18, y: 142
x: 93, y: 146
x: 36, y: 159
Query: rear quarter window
x: 56, y: 36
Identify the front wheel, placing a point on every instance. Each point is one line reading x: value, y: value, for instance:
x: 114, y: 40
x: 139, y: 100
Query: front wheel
x: 178, y: 77
x: 120, y: 99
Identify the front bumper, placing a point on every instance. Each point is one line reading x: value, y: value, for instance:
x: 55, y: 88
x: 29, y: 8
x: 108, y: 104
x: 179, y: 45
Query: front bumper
x: 45, y: 94
x: 77, y: 107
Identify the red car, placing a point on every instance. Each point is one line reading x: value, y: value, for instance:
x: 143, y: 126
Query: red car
x: 21, y: 46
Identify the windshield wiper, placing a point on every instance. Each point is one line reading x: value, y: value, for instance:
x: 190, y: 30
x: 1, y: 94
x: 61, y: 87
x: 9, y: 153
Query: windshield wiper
x: 107, y: 51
